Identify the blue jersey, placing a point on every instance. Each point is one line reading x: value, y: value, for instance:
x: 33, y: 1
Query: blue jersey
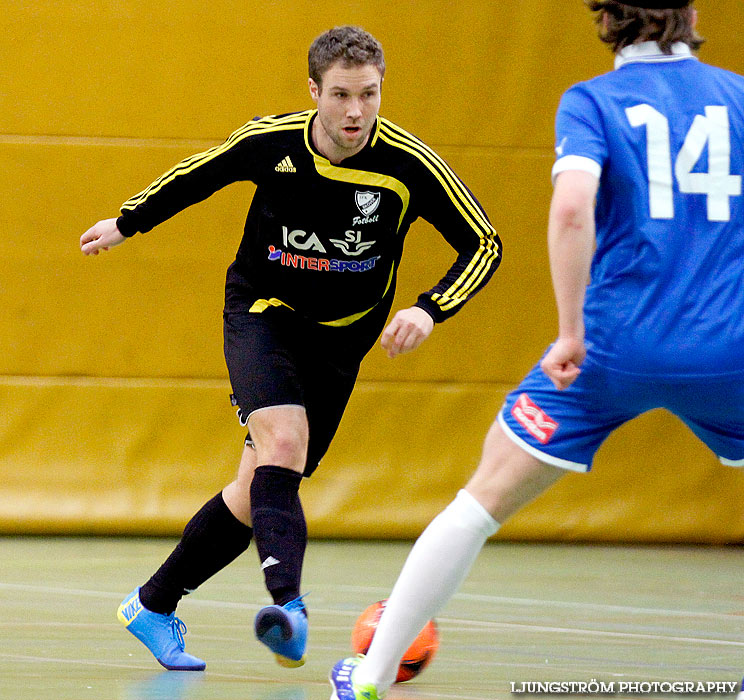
x: 665, y: 136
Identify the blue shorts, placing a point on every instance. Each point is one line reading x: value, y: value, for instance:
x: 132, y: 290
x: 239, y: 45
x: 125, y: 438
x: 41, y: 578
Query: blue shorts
x: 565, y: 428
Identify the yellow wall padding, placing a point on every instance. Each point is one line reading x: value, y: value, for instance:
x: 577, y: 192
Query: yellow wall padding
x: 114, y: 415
x: 131, y: 456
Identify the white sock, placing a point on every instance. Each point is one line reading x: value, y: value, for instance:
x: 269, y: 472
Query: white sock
x: 436, y: 566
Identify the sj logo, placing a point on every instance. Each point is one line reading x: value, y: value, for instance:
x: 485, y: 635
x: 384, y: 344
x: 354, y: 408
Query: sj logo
x: 352, y: 243
x: 533, y: 419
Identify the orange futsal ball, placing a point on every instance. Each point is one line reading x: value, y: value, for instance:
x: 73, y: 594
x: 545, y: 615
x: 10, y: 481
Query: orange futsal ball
x: 419, y: 654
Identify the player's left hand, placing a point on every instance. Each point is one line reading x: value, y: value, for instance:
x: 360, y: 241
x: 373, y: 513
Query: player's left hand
x: 102, y: 236
x: 562, y: 362
x: 408, y: 329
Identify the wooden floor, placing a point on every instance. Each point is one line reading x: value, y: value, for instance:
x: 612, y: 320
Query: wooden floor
x: 527, y: 613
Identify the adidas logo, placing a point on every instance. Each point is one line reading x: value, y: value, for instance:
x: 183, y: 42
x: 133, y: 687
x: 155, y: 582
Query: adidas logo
x: 285, y: 166
x: 269, y: 561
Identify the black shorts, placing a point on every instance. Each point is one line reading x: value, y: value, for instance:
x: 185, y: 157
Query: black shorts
x: 277, y: 358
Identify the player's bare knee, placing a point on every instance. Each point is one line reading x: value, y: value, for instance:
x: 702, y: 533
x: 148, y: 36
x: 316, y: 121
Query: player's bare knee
x: 285, y: 448
x: 280, y: 436
x: 285, y: 445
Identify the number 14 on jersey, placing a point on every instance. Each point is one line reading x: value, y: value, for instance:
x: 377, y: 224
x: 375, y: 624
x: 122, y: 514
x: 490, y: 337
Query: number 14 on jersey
x: 711, y: 130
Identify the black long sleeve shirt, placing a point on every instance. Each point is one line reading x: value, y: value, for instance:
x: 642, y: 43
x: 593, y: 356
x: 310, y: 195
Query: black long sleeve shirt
x: 325, y: 240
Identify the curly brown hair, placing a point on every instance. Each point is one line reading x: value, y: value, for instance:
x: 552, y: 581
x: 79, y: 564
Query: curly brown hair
x: 628, y: 25
x: 351, y: 45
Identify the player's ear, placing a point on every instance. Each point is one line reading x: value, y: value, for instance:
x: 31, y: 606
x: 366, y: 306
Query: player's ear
x: 314, y: 89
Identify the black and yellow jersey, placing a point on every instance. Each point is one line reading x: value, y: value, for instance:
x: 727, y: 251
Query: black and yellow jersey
x: 323, y: 239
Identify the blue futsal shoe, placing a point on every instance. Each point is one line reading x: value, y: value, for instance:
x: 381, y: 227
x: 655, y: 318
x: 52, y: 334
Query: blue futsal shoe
x: 344, y: 687
x: 740, y: 696
x: 161, y: 634
x: 283, y: 628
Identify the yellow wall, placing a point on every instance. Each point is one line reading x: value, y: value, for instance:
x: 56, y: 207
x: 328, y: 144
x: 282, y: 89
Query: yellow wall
x: 113, y: 391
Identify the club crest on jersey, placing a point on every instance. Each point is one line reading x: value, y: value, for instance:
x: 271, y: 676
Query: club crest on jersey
x: 367, y: 202
x: 533, y: 419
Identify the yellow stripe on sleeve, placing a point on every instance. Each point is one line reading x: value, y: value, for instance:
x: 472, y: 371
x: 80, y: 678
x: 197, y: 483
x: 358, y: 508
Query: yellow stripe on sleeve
x: 431, y: 158
x: 261, y: 126
x: 487, y: 252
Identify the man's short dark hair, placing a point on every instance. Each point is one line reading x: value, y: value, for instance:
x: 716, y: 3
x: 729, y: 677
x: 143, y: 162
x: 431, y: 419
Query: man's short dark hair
x: 628, y: 25
x: 350, y: 45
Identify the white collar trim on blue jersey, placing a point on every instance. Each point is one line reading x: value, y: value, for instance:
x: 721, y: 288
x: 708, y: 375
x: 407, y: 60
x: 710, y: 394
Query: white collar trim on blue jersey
x: 649, y: 52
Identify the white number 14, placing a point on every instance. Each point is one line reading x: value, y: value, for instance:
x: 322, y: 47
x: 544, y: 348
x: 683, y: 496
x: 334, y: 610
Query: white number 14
x: 718, y: 183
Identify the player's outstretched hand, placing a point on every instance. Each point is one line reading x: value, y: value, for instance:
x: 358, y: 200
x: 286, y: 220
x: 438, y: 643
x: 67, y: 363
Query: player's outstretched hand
x: 104, y: 235
x: 408, y: 329
x: 562, y: 362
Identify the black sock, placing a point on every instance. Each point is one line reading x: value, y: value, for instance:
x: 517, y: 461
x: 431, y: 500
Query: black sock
x: 280, y: 529
x: 211, y: 540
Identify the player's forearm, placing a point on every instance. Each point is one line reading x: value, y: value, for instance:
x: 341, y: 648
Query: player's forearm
x: 569, y: 265
x: 467, y: 276
x: 571, y: 246
x: 171, y: 193
x: 192, y: 180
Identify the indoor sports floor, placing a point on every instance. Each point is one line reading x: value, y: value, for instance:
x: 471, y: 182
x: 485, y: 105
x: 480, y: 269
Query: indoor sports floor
x: 527, y: 612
